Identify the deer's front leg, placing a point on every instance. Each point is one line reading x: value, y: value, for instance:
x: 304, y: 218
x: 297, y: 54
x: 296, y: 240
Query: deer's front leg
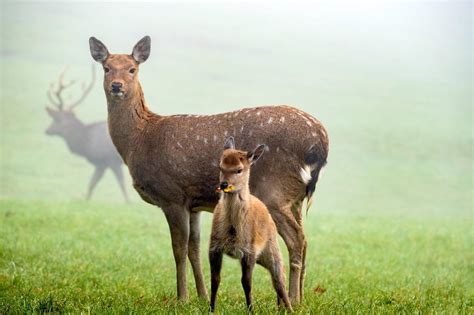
x: 215, y: 260
x: 248, y: 263
x: 98, y: 173
x: 194, y: 255
x: 178, y: 221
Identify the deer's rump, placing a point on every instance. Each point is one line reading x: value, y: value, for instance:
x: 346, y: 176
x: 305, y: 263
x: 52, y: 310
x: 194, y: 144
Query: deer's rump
x: 178, y: 161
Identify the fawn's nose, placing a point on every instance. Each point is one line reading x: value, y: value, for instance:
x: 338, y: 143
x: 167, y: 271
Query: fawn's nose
x: 116, y: 86
x: 224, y: 185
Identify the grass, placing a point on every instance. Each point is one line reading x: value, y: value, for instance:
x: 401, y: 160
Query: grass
x: 391, y: 227
x: 93, y: 257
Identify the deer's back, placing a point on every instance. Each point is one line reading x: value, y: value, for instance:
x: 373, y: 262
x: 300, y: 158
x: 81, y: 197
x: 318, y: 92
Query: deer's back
x: 177, y: 159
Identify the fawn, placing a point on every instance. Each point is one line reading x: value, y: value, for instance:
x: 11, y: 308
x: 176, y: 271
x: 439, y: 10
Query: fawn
x: 242, y: 226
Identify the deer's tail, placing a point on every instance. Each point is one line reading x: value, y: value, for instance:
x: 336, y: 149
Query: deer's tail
x: 315, y: 160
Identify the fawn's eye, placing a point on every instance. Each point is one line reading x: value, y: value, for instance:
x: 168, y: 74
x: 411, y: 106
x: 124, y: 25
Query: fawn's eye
x: 239, y: 171
x: 106, y: 69
x: 132, y: 71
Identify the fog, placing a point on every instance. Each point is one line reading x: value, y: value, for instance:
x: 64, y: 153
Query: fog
x: 391, y: 82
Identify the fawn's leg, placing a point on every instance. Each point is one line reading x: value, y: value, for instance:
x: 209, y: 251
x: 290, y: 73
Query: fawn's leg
x: 292, y: 234
x: 215, y: 260
x: 272, y: 261
x: 247, y: 263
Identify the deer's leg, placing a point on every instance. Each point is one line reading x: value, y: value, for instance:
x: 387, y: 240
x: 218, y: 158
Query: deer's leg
x: 247, y: 263
x: 292, y: 234
x: 194, y: 255
x: 98, y: 173
x: 297, y: 213
x: 117, y: 169
x: 272, y: 261
x: 215, y: 260
x: 178, y: 221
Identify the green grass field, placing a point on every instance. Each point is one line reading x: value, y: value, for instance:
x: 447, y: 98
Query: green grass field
x: 391, y: 229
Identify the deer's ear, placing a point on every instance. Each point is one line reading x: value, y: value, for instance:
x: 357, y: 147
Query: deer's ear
x: 98, y: 50
x: 51, y: 112
x: 229, y: 143
x: 254, y: 155
x: 142, y: 49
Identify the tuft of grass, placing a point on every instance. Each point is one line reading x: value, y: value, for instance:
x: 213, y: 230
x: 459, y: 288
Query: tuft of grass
x: 93, y: 257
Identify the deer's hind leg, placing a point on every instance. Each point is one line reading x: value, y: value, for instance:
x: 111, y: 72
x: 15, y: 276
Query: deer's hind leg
x: 194, y: 254
x: 292, y: 233
x: 98, y: 173
x: 297, y: 213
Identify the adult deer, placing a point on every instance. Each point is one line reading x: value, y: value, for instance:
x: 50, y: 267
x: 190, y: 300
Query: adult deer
x: 91, y: 141
x: 173, y: 161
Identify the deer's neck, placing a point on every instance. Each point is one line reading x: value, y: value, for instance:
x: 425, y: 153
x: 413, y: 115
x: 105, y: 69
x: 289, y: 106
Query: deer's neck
x: 236, y: 207
x: 76, y: 138
x: 127, y: 120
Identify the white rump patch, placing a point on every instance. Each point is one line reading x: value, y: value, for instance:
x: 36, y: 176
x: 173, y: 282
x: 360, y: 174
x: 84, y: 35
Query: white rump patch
x: 305, y: 173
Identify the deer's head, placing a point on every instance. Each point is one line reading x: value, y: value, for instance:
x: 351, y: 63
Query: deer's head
x: 61, y: 110
x: 120, y: 70
x: 235, y: 166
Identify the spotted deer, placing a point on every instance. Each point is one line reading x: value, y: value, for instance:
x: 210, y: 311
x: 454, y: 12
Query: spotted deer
x: 173, y: 161
x: 242, y: 227
x: 90, y: 141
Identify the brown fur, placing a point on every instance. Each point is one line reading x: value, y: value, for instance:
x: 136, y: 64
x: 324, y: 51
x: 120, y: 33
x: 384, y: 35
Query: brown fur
x: 243, y: 228
x: 173, y: 161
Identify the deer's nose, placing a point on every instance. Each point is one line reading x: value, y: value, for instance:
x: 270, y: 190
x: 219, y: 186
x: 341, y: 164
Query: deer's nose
x: 116, y: 86
x: 224, y: 185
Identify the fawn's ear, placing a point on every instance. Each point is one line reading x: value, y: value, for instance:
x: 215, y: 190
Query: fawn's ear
x: 229, y: 143
x: 254, y: 155
x: 98, y: 50
x: 142, y: 49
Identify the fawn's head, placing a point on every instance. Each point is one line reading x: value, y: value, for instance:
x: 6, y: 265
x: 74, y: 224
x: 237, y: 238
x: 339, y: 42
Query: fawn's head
x: 120, y: 70
x: 235, y: 166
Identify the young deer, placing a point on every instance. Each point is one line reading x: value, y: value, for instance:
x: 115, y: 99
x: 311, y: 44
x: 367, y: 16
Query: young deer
x: 242, y: 226
x: 172, y: 160
x: 91, y: 141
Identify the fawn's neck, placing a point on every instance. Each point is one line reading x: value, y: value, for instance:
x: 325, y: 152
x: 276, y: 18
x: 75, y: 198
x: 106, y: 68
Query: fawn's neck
x: 236, y: 207
x: 127, y: 119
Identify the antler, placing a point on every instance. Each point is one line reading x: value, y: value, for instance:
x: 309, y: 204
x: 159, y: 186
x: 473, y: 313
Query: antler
x: 55, y: 95
x: 85, y: 90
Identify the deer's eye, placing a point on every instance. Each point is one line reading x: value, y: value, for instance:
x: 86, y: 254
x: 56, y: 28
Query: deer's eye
x: 106, y: 69
x: 132, y: 71
x: 239, y: 171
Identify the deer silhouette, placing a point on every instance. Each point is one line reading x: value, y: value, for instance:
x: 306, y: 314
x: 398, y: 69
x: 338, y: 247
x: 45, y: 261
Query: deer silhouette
x: 90, y: 141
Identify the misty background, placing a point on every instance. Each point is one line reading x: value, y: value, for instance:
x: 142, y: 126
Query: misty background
x: 391, y: 82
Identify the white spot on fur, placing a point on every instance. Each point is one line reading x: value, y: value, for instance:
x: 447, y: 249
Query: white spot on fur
x: 250, y: 132
x: 277, y: 149
x: 225, y: 133
x: 242, y: 129
x: 219, y: 121
x: 261, y: 124
x: 305, y: 173
x: 215, y: 138
x: 270, y: 120
x: 282, y: 119
x: 314, y: 134
x: 258, y: 113
x: 179, y: 144
x: 197, y: 137
x: 205, y: 140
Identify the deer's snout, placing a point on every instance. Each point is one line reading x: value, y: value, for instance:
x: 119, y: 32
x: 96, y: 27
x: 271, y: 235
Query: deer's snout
x: 116, y: 86
x: 224, y: 185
